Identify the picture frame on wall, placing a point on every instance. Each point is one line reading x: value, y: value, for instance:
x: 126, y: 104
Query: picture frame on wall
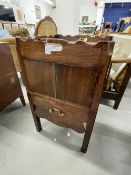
x: 16, y: 2
x: 13, y: 1
x: 1, y: 26
x: 38, y: 12
x: 19, y: 14
x: 85, y: 20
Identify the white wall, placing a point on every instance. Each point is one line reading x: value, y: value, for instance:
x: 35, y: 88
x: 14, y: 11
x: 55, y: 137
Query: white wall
x: 15, y: 8
x: 46, y: 9
x: 66, y: 16
x: 114, y: 1
x: 87, y: 8
x: 28, y: 7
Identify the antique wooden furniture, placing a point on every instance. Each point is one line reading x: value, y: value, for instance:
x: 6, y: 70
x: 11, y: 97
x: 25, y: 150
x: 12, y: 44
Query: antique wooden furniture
x: 85, y: 38
x: 64, y: 84
x: 10, y: 88
x: 87, y: 29
x: 120, y: 81
x: 118, y: 74
x: 12, y: 43
x: 15, y: 30
x: 120, y: 70
x: 46, y: 27
x: 117, y: 81
x: 11, y: 25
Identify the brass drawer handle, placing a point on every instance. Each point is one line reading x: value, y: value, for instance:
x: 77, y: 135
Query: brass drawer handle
x: 60, y: 113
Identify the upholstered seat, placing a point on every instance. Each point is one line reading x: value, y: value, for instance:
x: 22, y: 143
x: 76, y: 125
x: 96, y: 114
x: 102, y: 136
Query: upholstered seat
x: 116, y: 76
x: 120, y: 71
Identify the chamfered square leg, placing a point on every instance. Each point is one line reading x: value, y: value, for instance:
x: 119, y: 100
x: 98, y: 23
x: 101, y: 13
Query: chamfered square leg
x: 22, y: 100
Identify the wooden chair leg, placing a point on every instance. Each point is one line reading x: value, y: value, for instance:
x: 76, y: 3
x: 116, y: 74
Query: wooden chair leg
x: 88, y: 133
x: 85, y: 142
x: 23, y: 100
x: 123, y: 87
x: 36, y: 119
x: 37, y: 123
x: 117, y: 103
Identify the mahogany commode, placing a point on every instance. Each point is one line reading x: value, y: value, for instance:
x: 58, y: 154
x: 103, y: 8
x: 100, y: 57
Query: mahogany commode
x: 64, y: 81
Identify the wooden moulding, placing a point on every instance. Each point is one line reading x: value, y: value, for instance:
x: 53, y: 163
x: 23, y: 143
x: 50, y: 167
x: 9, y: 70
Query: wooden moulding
x: 68, y: 49
x: 85, y: 38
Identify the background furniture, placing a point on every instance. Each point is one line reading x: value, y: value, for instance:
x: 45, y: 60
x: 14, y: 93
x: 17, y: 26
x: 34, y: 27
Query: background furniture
x: 87, y: 29
x: 12, y: 43
x: 118, y: 74
x: 120, y: 70
x: 64, y: 86
x: 16, y: 30
x: 11, y: 25
x: 85, y: 38
x: 10, y: 88
x: 107, y: 25
x: 46, y: 27
x: 120, y: 81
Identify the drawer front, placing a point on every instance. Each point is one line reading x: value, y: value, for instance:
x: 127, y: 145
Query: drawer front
x: 61, y: 113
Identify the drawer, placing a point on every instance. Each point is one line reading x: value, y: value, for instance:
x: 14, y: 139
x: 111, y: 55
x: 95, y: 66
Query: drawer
x: 61, y: 113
